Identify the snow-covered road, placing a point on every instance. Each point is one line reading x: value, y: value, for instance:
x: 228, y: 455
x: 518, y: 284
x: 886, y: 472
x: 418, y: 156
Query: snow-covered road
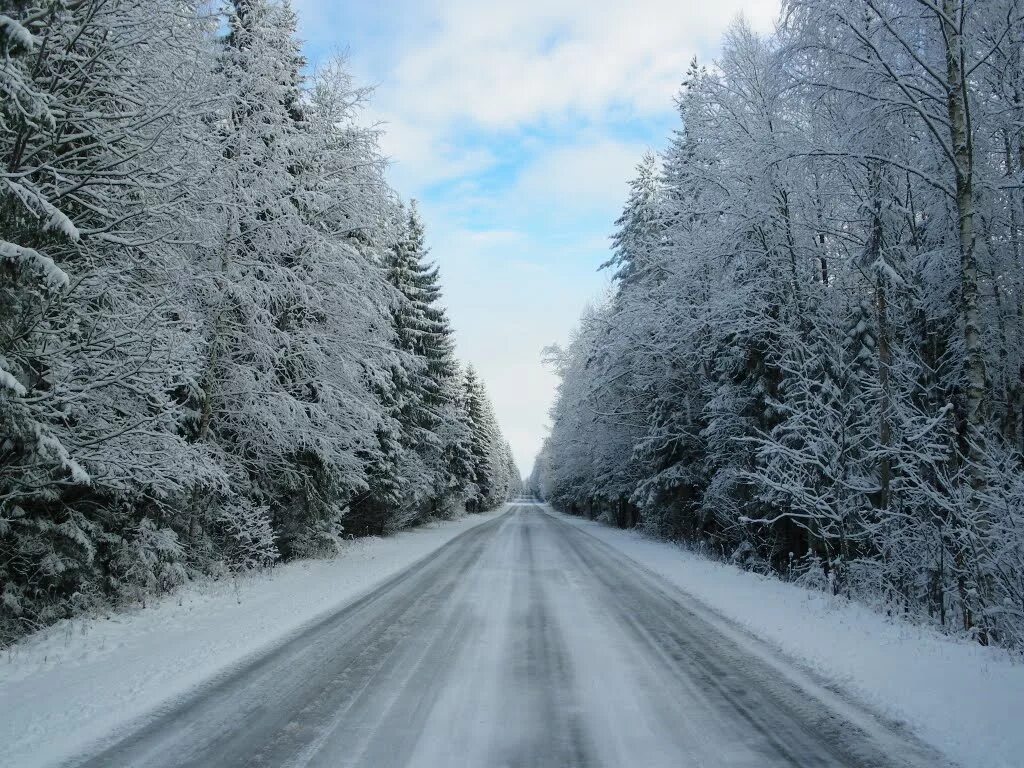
x: 524, y: 641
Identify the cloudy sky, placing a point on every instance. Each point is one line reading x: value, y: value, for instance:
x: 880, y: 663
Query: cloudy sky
x: 517, y: 125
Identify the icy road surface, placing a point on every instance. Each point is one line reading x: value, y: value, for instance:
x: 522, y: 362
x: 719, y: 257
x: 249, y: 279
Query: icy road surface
x: 523, y: 642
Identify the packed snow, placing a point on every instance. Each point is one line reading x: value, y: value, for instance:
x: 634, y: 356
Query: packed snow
x: 526, y: 642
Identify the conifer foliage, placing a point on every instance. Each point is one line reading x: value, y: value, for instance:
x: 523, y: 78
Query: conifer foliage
x: 221, y: 339
x: 812, y: 361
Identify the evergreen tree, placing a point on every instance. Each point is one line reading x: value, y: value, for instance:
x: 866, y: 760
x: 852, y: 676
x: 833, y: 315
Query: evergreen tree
x: 424, y: 337
x: 90, y: 209
x: 636, y: 239
x: 481, y: 442
x: 248, y: 280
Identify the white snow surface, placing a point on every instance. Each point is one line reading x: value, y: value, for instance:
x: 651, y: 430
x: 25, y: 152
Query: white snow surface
x: 963, y: 699
x: 55, y: 276
x: 79, y: 681
x: 17, y: 33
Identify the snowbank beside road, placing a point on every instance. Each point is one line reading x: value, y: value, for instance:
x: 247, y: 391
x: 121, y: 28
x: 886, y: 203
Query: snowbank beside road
x: 965, y: 700
x: 76, y: 682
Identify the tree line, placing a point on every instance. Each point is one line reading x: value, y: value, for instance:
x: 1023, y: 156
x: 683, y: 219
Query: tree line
x: 812, y: 359
x: 222, y: 341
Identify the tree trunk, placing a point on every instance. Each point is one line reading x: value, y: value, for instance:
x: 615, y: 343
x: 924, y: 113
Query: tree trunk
x: 884, y: 369
x: 951, y: 22
x: 963, y: 153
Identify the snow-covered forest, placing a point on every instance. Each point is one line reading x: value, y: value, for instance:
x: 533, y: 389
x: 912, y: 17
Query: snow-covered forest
x: 811, y: 360
x: 222, y: 339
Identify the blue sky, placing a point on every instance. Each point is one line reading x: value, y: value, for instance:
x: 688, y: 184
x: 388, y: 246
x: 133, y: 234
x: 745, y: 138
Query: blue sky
x: 517, y: 125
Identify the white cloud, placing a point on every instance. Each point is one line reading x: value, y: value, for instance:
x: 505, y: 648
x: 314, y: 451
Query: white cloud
x: 504, y: 64
x: 453, y: 65
x: 579, y: 177
x: 420, y: 157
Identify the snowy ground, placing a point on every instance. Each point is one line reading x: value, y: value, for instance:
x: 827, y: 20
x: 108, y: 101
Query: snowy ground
x: 523, y: 642
x: 966, y: 700
x: 75, y: 683
x: 533, y: 639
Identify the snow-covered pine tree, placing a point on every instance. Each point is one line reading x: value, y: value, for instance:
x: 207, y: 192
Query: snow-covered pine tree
x: 481, y: 442
x: 636, y: 238
x: 424, y: 339
x: 247, y: 282
x: 341, y: 344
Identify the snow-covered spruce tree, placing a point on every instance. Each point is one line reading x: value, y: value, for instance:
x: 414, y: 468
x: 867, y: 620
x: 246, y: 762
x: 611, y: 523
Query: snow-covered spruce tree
x: 246, y: 281
x: 424, y: 339
x: 413, y: 445
x: 666, y: 313
x: 480, y: 444
x: 97, y: 160
x: 495, y: 476
x: 623, y: 390
x: 636, y: 239
x: 341, y: 340
x: 455, y: 431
